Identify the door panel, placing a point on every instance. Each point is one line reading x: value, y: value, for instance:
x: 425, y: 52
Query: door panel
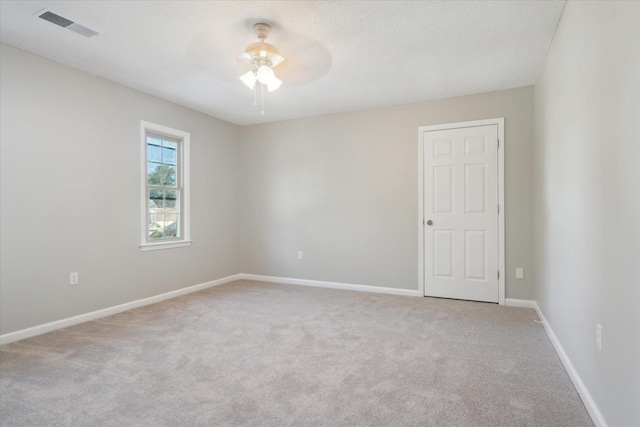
x: 443, y: 189
x: 475, y: 256
x: 461, y: 200
x: 475, y: 190
x: 443, y: 254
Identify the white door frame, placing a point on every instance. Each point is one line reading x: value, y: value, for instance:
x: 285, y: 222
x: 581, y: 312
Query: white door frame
x: 501, y: 232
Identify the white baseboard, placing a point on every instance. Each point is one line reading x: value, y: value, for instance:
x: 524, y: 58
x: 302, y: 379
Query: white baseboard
x: 588, y: 401
x: 70, y: 321
x: 332, y: 285
x: 526, y: 303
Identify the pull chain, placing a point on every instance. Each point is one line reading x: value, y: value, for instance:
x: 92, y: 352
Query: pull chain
x: 261, y: 99
x: 255, y: 95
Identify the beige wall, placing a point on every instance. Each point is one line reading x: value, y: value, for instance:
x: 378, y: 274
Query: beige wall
x: 587, y: 199
x: 344, y: 189
x: 70, y: 173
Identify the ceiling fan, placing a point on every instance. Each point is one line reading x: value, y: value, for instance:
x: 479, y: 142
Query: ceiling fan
x: 263, y: 58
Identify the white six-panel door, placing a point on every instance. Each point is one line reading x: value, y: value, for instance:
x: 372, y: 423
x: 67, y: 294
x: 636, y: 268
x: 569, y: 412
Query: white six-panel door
x: 461, y: 213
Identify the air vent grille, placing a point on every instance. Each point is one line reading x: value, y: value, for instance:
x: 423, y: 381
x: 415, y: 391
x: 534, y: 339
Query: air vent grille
x: 66, y: 23
x: 56, y: 19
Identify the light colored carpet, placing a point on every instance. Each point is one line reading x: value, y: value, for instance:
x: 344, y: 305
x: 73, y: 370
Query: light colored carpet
x: 253, y: 354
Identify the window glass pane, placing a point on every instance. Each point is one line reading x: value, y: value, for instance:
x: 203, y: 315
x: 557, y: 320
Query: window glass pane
x: 154, y: 173
x: 172, y: 201
x: 161, y: 174
x: 154, y: 153
x: 156, y: 202
x: 171, y: 226
x: 178, y: 226
x: 169, y: 156
x: 168, y: 175
x: 154, y: 141
x: 156, y: 198
x: 170, y: 144
x: 162, y: 224
x: 152, y: 166
x: 156, y: 226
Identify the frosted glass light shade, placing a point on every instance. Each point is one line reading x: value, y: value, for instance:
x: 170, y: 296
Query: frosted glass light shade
x: 274, y: 84
x: 249, y: 79
x: 265, y: 75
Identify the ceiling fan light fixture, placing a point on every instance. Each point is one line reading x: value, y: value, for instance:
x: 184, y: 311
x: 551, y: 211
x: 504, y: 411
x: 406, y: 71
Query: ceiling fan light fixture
x: 275, y: 59
x: 274, y: 84
x: 249, y: 79
x: 265, y: 75
x: 263, y: 58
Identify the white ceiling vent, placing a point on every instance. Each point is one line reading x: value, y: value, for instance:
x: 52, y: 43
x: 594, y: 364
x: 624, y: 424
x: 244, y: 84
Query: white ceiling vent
x: 66, y: 23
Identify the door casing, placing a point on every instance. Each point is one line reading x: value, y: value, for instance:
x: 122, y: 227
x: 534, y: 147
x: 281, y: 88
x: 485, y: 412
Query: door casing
x: 501, y: 224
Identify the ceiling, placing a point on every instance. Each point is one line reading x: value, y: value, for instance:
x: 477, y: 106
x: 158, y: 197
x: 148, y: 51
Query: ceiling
x: 341, y: 56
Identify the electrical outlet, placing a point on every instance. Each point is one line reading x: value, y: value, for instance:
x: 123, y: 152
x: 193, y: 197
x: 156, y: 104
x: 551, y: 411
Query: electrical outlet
x: 519, y: 273
x: 599, y: 336
x: 73, y: 278
x: 300, y: 255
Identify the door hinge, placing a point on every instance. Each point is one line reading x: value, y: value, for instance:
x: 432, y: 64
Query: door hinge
x: 498, y: 143
x: 498, y: 274
x: 498, y: 208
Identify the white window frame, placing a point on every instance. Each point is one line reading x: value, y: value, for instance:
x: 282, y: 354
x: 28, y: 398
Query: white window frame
x: 184, y: 171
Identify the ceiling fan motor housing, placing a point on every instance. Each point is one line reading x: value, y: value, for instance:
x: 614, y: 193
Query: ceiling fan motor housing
x: 262, y: 30
x: 261, y: 53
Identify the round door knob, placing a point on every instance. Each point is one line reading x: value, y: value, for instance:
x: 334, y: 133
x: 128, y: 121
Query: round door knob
x: 429, y: 222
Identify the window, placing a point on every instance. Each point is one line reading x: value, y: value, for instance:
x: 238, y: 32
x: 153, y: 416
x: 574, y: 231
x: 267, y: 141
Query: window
x: 165, y: 187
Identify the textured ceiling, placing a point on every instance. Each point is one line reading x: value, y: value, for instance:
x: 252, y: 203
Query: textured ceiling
x: 341, y: 55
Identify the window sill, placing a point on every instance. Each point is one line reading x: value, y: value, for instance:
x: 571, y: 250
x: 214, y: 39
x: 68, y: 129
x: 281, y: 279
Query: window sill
x: 165, y: 245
